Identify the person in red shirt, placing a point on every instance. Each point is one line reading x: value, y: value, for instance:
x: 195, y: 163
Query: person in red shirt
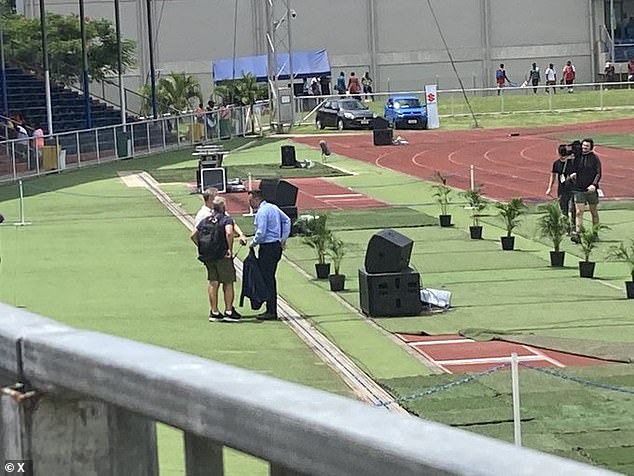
x: 568, y: 74
x: 354, y: 86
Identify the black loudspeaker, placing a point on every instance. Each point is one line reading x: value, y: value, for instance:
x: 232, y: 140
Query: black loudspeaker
x: 388, y: 252
x: 279, y: 192
x: 380, y: 123
x: 291, y: 212
x: 288, y: 156
x: 390, y: 294
x: 382, y: 136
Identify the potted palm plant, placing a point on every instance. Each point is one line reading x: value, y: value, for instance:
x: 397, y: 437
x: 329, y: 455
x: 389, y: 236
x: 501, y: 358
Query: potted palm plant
x: 588, y: 241
x: 337, y: 250
x: 625, y: 254
x: 510, y: 213
x: 441, y: 194
x: 318, y: 236
x: 553, y: 224
x: 476, y: 204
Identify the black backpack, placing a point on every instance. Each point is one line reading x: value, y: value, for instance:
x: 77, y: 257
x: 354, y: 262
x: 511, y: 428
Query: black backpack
x: 212, y: 241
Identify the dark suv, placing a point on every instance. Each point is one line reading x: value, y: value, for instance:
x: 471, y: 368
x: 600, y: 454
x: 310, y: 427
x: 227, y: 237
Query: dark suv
x: 346, y: 113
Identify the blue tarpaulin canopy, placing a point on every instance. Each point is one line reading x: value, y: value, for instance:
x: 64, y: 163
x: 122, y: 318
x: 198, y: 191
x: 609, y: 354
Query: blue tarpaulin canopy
x: 306, y: 64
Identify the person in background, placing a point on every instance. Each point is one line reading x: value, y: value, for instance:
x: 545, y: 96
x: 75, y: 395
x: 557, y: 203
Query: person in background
x: 354, y: 86
x: 366, y: 82
x: 341, y: 84
x: 560, y: 174
x: 551, y: 78
x: 630, y: 70
x: 534, y: 77
x: 569, y: 74
x: 501, y: 78
x: 610, y: 72
x: 272, y: 228
x: 586, y: 174
x: 38, y: 143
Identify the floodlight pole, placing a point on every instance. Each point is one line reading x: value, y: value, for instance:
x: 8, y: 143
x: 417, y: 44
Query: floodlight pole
x: 84, y: 66
x: 47, y: 73
x: 117, y: 22
x: 278, y: 42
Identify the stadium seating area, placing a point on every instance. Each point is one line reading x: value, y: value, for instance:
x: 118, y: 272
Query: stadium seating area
x: 26, y: 95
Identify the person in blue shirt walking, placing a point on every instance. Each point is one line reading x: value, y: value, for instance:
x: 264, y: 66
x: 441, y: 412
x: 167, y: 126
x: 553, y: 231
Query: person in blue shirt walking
x: 272, y: 228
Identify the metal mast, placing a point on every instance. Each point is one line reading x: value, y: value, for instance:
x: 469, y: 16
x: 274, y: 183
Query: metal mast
x: 279, y: 15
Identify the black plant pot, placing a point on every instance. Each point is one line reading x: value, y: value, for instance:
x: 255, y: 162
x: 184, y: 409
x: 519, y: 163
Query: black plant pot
x: 322, y: 270
x: 508, y: 243
x: 629, y: 289
x: 475, y: 232
x: 586, y: 269
x: 445, y: 220
x: 337, y: 282
x: 557, y: 259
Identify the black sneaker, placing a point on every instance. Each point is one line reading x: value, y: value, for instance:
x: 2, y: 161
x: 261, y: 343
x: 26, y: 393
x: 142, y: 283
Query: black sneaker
x: 232, y: 316
x: 574, y: 237
x: 215, y: 316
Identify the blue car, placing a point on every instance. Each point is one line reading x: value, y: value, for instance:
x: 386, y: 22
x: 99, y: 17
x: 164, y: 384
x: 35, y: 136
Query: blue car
x: 406, y: 111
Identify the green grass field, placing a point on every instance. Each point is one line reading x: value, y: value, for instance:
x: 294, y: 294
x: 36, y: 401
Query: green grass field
x: 137, y: 277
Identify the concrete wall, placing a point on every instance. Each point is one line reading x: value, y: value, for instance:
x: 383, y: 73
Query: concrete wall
x: 396, y: 40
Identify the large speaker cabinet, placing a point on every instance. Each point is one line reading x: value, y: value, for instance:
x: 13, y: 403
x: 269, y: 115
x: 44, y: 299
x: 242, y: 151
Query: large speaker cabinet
x: 390, y: 294
x: 388, y: 251
x: 279, y: 192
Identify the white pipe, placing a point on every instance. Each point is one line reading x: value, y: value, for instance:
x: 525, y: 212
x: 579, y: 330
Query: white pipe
x: 472, y: 176
x: 517, y: 429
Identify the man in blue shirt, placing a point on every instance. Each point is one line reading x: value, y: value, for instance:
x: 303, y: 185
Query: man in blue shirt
x: 272, y: 227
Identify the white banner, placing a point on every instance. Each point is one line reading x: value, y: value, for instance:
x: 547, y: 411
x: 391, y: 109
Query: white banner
x: 431, y: 98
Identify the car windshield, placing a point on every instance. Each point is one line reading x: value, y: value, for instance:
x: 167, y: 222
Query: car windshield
x: 405, y: 103
x: 352, y: 105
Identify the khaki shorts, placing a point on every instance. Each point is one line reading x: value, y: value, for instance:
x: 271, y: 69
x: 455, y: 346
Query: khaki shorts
x: 591, y: 198
x: 221, y: 271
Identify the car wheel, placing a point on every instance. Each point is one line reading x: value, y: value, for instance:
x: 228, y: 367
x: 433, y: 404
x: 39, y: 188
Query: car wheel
x: 319, y: 124
x: 340, y: 125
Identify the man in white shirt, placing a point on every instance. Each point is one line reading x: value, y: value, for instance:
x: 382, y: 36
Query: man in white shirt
x: 551, y: 78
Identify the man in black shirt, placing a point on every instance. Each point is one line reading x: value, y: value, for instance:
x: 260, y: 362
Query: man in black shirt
x: 560, y: 174
x: 586, y: 176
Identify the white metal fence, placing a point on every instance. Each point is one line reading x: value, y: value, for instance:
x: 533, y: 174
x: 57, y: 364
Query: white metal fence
x: 25, y: 157
x: 510, y: 99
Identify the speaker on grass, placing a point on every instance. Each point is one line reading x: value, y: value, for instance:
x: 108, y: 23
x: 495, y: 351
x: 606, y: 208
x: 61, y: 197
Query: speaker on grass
x: 390, y: 294
x: 388, y: 251
x: 288, y: 156
x: 382, y: 136
x: 279, y: 192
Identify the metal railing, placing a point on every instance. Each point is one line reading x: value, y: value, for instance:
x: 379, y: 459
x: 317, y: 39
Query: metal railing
x: 21, y: 158
x: 79, y: 402
x: 510, y: 99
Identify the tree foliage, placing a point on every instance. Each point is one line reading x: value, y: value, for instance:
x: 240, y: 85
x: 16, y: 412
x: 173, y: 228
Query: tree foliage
x: 23, y: 46
x: 173, y: 93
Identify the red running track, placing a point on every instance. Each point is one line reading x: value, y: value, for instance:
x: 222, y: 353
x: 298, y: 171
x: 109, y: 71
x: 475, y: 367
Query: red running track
x: 313, y: 194
x: 456, y: 354
x: 507, y: 166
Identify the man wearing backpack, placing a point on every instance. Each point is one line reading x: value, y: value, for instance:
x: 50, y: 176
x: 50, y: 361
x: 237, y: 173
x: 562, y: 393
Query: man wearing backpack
x: 534, y: 77
x: 213, y: 237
